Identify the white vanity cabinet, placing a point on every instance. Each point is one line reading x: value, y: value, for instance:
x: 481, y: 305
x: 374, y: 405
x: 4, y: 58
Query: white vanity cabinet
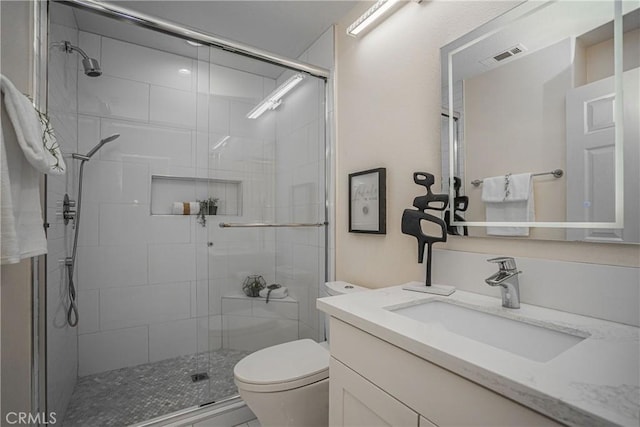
x: 374, y: 383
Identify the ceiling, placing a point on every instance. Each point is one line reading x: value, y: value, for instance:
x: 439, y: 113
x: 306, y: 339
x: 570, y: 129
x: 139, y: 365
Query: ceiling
x: 285, y: 28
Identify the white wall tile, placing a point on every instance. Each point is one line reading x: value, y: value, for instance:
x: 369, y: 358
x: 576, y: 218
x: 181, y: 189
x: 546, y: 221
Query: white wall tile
x: 143, y: 64
x: 172, y: 107
x: 172, y: 263
x: 172, y: 339
x: 112, y: 97
x: 105, y: 351
x: 260, y: 128
x: 219, y: 114
x: 89, y: 311
x: 254, y: 333
x: 234, y: 83
x: 209, y: 333
x: 61, y: 17
x: 89, y: 216
x: 275, y: 308
x: 124, y: 224
x: 215, y: 297
x: 65, y: 80
x: 147, y: 143
x: 139, y: 305
x: 202, y: 149
x: 169, y: 229
x: 88, y: 134
x: 116, y: 182
x: 108, y: 266
x: 200, y: 298
x: 236, y: 306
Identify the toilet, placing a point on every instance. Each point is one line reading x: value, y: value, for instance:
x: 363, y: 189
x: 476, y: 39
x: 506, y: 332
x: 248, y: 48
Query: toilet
x: 288, y: 384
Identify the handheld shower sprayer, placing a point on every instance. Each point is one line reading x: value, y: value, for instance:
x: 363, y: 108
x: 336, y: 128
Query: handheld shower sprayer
x: 86, y: 157
x: 72, y: 312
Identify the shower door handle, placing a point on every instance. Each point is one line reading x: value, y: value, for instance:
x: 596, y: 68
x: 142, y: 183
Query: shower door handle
x: 264, y: 224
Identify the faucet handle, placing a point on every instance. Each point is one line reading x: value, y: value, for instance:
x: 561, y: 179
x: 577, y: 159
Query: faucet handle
x: 506, y: 263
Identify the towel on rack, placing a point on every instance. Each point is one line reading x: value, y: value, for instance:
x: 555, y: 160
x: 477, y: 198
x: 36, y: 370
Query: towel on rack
x: 23, y: 157
x: 185, y: 208
x: 509, y: 198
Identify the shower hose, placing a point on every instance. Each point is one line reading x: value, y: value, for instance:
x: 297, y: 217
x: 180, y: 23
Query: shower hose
x: 72, y: 312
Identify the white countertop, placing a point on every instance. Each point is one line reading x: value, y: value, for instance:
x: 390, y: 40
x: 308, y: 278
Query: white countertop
x: 594, y: 383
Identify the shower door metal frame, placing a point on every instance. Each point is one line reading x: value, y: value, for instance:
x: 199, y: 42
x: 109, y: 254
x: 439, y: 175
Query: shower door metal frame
x: 40, y: 81
x: 182, y: 31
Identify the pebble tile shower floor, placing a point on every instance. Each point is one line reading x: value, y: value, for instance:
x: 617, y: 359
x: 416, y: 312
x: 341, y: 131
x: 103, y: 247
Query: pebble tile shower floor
x: 129, y: 395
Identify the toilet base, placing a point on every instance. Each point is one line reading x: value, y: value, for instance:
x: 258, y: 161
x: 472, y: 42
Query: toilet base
x: 306, y: 406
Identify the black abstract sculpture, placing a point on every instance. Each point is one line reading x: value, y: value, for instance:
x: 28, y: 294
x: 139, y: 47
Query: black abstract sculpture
x: 412, y: 219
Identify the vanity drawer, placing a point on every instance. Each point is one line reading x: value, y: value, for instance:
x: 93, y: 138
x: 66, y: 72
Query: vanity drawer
x: 441, y: 396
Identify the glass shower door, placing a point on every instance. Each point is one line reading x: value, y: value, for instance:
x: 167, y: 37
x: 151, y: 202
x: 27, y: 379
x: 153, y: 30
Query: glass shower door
x: 267, y: 174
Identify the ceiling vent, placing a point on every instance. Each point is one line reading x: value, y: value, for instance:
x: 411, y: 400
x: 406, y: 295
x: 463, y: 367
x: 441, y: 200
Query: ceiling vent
x: 505, y: 54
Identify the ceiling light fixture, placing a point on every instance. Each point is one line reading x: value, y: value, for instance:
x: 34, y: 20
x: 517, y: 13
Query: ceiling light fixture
x: 184, y: 71
x: 192, y: 43
x: 274, y: 99
x: 375, y: 12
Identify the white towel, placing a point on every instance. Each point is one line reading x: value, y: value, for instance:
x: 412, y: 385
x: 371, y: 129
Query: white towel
x: 185, y: 208
x: 35, y: 138
x: 509, y: 198
x: 23, y: 157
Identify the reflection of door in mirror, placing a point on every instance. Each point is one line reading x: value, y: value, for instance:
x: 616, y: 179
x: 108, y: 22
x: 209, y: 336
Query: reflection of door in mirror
x: 591, y: 159
x: 458, y: 156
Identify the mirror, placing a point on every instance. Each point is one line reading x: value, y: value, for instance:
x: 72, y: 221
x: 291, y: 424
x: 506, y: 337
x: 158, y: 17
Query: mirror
x: 540, y: 123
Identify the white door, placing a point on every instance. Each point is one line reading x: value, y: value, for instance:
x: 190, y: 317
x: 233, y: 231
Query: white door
x: 591, y: 159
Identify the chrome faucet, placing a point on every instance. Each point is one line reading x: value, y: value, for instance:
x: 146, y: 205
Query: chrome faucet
x: 507, y: 279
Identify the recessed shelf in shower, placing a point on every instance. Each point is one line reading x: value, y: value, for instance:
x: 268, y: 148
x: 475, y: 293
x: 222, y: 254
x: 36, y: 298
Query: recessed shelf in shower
x: 165, y: 190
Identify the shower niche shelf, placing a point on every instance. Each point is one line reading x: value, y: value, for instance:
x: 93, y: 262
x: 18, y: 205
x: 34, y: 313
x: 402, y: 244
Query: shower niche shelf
x: 166, y: 189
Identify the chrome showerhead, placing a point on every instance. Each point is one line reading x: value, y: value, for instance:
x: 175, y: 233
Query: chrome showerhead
x: 91, y: 65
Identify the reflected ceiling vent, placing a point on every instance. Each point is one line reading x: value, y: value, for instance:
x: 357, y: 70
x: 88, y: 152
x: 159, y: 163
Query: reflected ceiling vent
x: 505, y: 54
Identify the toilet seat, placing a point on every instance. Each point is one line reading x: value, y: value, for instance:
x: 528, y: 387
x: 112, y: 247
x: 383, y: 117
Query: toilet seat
x: 283, y: 367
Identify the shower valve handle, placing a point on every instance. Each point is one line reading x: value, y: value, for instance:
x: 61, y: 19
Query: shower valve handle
x: 68, y: 213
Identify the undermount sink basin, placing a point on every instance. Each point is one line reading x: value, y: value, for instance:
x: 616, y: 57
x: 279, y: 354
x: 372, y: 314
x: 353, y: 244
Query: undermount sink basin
x: 533, y: 342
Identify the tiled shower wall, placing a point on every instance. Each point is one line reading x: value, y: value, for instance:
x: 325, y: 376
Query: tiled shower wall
x: 62, y: 342
x: 149, y: 288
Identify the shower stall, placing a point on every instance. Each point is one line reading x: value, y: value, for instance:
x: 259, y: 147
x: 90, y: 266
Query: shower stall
x: 161, y: 315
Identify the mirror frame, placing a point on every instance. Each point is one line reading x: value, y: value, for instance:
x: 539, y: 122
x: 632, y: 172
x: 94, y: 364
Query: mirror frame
x: 520, y: 11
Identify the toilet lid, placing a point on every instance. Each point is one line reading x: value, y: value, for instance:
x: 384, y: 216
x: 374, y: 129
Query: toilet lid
x: 283, y: 367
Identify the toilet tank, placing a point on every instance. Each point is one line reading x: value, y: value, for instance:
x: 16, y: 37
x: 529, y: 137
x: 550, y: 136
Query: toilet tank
x: 336, y: 288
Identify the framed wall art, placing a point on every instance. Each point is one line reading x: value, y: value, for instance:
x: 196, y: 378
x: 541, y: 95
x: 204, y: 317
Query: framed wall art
x: 368, y: 201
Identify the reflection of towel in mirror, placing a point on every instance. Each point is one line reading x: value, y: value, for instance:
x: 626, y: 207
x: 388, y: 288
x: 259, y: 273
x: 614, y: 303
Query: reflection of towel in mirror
x: 509, y: 199
x: 24, y: 158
